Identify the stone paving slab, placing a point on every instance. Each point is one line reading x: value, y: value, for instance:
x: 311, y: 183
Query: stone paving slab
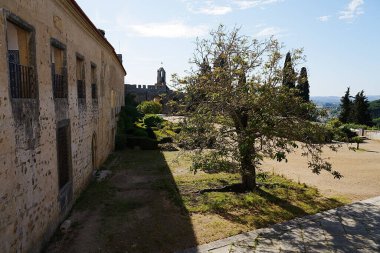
x: 351, y: 228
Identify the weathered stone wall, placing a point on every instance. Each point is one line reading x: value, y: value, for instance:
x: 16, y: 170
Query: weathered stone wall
x: 30, y: 207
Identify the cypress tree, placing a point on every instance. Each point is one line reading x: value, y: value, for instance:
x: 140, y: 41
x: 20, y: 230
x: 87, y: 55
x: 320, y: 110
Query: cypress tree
x: 289, y: 76
x: 345, y: 107
x: 303, y: 85
x: 360, y: 111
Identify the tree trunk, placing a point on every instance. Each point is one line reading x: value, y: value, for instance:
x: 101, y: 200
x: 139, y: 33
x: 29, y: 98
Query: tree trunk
x: 249, y: 180
x: 248, y: 169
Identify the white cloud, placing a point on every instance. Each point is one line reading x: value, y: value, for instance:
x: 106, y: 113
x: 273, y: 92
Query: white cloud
x: 324, y: 18
x: 247, y: 4
x: 215, y: 10
x: 208, y: 7
x: 222, y: 7
x: 270, y: 31
x: 174, y: 29
x: 352, y: 10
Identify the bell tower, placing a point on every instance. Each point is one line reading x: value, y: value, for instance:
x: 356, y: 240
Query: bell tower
x: 161, y: 77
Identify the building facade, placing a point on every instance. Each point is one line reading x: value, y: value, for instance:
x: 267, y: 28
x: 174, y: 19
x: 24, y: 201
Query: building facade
x: 61, y: 88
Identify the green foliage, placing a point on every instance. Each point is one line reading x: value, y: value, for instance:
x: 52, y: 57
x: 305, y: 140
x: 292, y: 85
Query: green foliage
x: 152, y: 120
x: 340, y: 132
x: 139, y: 132
x: 128, y: 115
x: 360, y: 110
x: 374, y: 109
x: 334, y: 123
x: 303, y: 85
x: 345, y: 107
x: 377, y: 122
x: 356, y: 111
x: 144, y: 143
x: 149, y: 107
x: 289, y: 75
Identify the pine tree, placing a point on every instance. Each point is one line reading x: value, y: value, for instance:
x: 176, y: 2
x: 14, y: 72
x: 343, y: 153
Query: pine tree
x: 360, y: 110
x: 303, y: 85
x: 345, y: 107
x: 289, y: 76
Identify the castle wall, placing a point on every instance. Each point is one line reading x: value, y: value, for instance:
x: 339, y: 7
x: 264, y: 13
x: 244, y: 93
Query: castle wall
x: 145, y: 92
x: 32, y: 204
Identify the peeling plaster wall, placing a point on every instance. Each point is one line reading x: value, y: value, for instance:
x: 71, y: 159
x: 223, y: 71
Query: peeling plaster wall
x: 30, y: 208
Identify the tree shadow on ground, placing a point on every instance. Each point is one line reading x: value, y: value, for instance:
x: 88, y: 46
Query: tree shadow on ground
x: 138, y: 209
x: 271, y: 203
x: 351, y: 228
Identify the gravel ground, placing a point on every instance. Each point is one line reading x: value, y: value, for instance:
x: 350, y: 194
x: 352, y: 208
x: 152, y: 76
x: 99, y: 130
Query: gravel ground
x: 361, y: 171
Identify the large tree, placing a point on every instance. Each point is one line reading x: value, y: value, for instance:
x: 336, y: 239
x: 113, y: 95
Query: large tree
x: 345, y: 107
x: 303, y: 85
x: 244, y: 114
x: 289, y: 75
x: 360, y: 110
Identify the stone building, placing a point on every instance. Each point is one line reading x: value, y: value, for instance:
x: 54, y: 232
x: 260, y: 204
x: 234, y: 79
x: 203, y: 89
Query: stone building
x: 61, y: 88
x: 149, y: 92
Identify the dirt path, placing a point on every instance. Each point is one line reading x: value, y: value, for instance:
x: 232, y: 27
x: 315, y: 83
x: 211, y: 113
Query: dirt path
x: 135, y: 210
x: 361, y: 171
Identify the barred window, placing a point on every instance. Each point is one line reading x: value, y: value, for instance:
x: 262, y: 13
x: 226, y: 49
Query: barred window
x: 21, y: 71
x: 58, y: 69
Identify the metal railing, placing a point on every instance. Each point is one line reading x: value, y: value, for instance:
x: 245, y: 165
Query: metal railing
x: 22, y: 81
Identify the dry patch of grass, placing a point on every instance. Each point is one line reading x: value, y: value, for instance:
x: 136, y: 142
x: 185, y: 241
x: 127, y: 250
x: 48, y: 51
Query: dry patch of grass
x: 152, y: 203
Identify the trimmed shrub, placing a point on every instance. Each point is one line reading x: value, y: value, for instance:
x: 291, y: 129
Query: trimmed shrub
x: 149, y: 107
x: 152, y: 120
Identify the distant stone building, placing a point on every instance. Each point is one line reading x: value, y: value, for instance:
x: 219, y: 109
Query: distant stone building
x: 149, y: 92
x: 61, y: 88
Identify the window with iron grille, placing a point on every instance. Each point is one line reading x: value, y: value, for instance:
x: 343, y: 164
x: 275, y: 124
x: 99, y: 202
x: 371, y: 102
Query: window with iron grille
x: 81, y: 87
x: 58, y: 69
x: 20, y: 43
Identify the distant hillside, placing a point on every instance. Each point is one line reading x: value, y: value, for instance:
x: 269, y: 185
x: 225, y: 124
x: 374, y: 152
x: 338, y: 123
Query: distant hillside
x: 335, y: 100
x: 374, y: 108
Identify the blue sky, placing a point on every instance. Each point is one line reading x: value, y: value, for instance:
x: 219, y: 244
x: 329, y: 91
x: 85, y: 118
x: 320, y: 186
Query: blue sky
x: 341, y: 38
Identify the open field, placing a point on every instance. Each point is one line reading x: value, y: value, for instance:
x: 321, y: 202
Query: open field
x: 152, y: 203
x: 361, y: 171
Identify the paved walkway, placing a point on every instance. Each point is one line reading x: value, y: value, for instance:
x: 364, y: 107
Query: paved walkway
x: 351, y: 228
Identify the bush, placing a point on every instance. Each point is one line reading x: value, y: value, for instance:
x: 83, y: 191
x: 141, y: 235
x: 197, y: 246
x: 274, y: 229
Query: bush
x: 139, y: 132
x: 344, y: 134
x: 334, y: 123
x: 144, y: 143
x: 128, y: 115
x: 149, y: 107
x: 150, y: 133
x: 120, y: 141
x: 152, y: 120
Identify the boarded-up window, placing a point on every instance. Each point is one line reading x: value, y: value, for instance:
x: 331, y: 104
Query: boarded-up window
x: 21, y: 72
